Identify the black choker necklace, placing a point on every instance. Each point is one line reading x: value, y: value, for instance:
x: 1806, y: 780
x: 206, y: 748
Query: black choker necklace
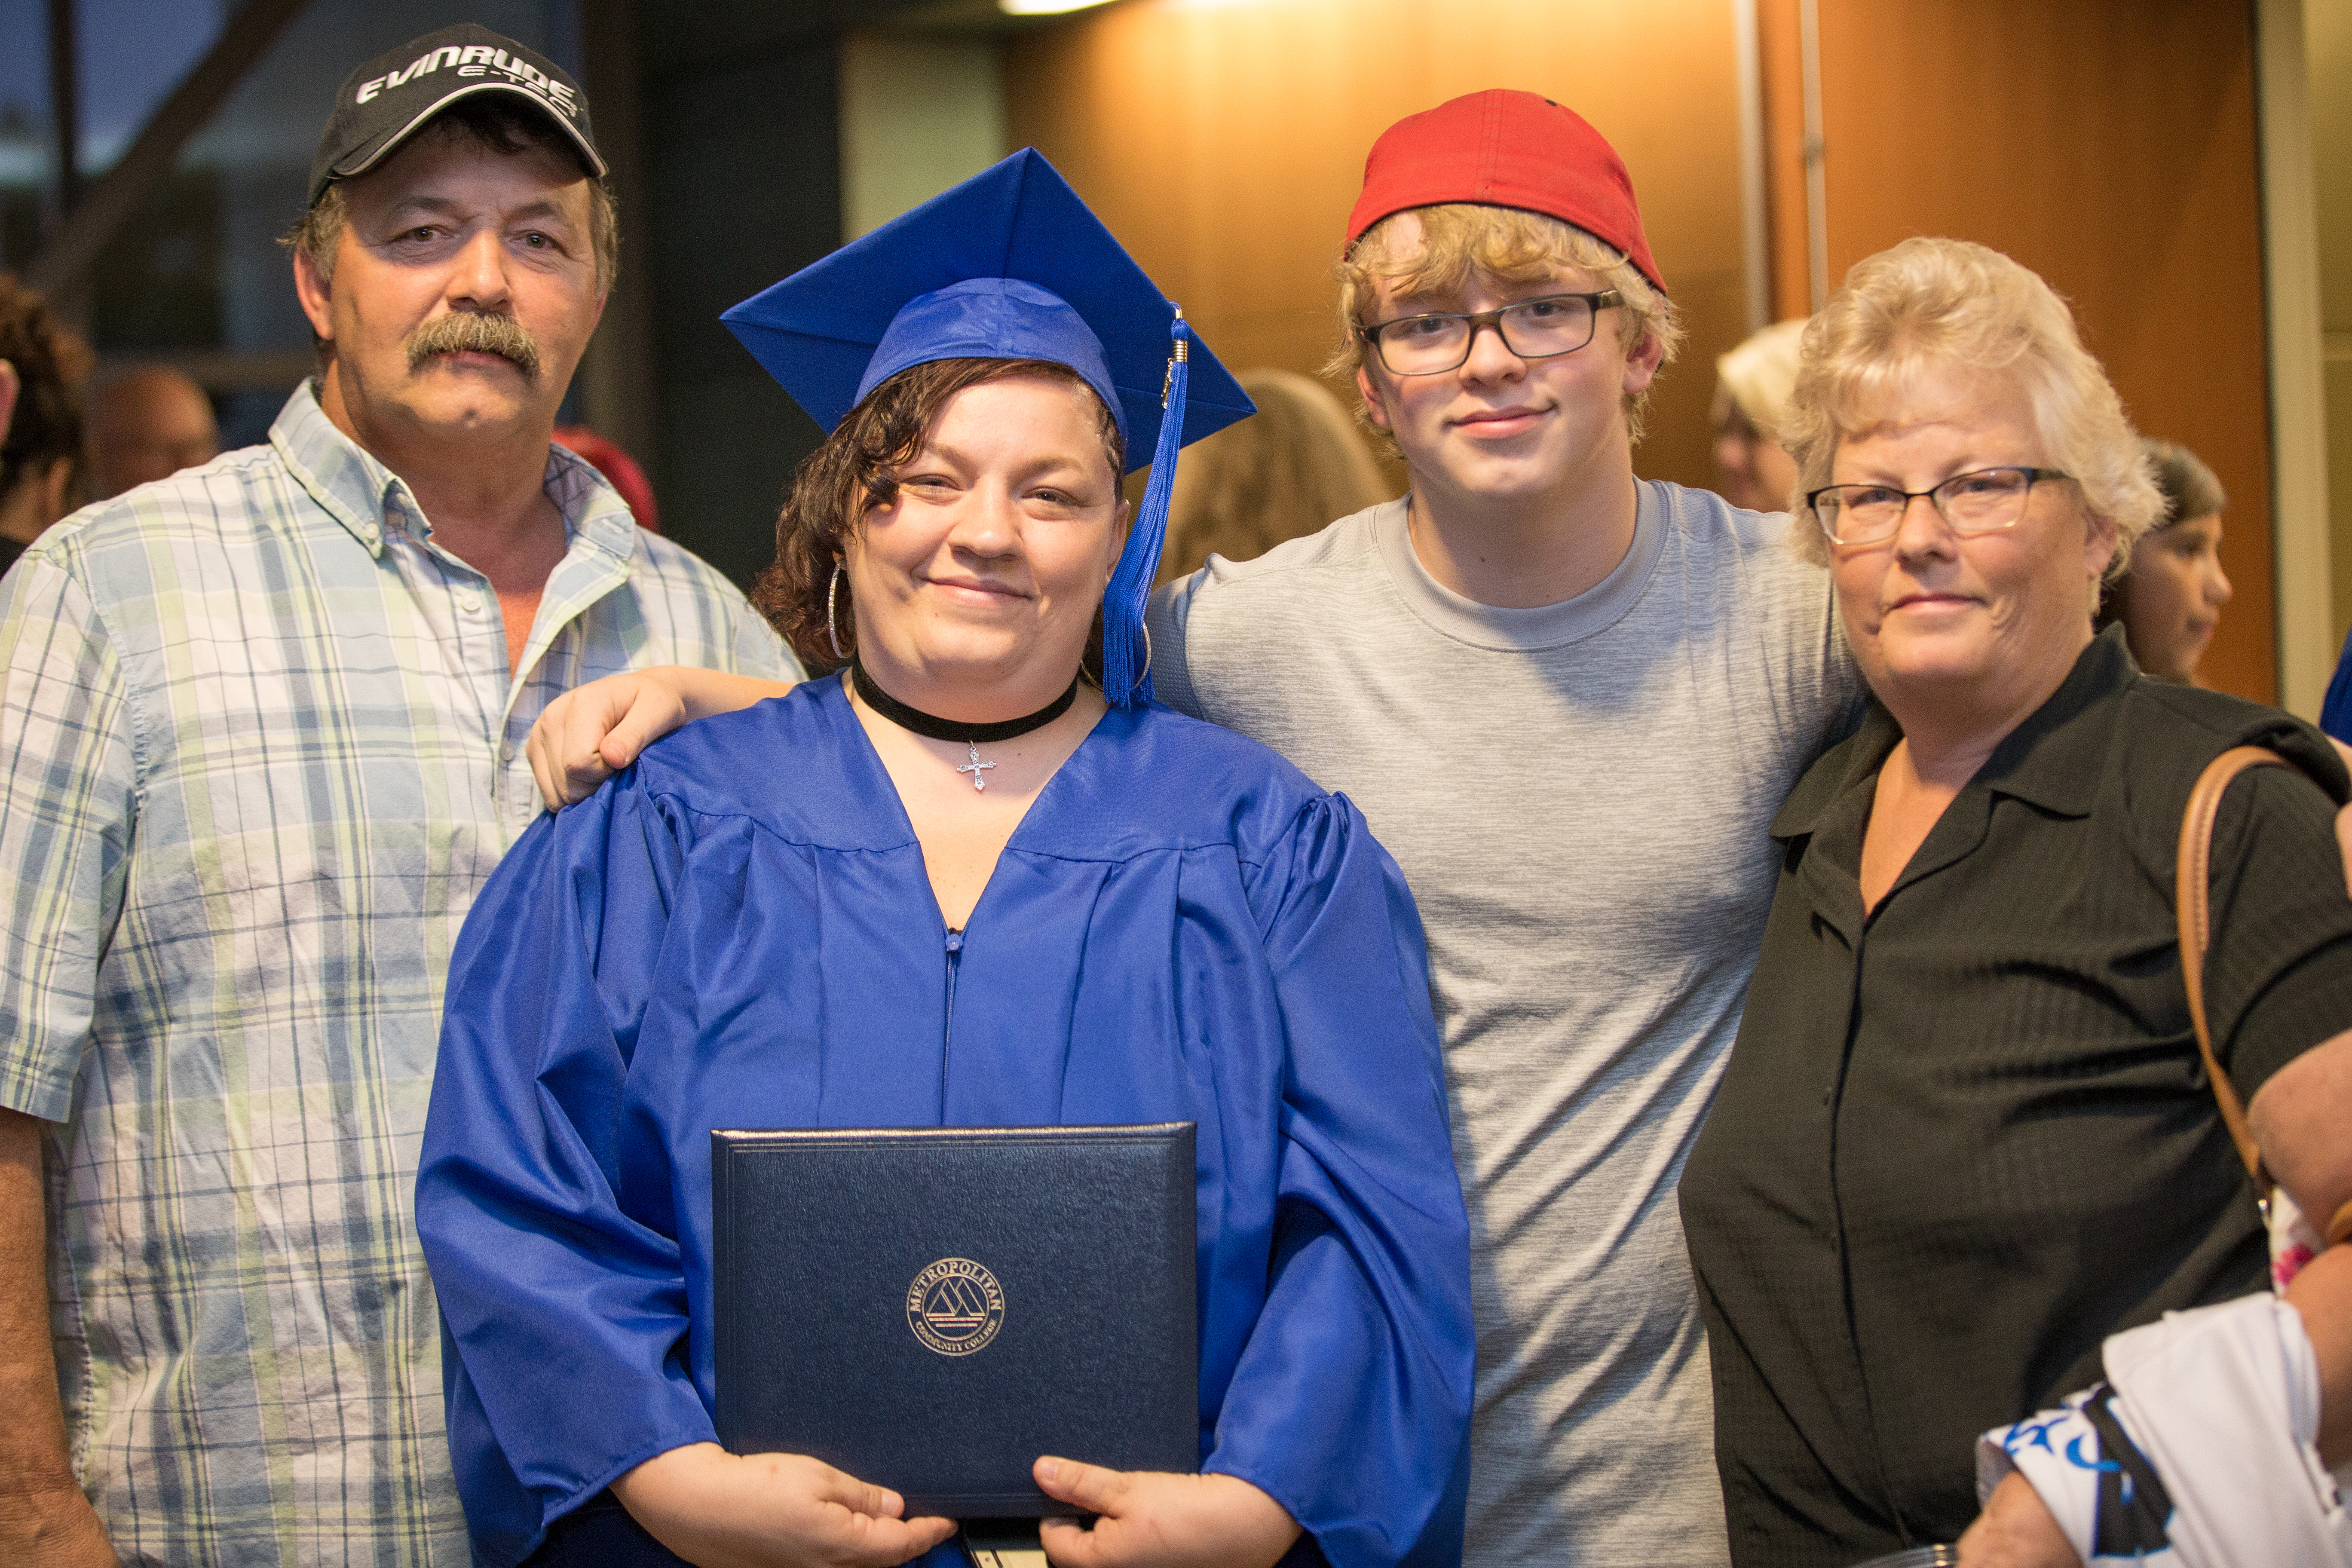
x: 933, y: 727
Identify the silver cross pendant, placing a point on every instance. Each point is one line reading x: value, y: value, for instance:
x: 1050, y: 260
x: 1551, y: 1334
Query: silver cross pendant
x: 975, y: 767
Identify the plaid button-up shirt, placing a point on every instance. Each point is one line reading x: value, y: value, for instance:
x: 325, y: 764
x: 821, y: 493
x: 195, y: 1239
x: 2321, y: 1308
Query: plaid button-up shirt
x: 259, y: 749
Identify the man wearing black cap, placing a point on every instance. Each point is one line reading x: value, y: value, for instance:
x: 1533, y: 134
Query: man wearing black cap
x: 265, y: 724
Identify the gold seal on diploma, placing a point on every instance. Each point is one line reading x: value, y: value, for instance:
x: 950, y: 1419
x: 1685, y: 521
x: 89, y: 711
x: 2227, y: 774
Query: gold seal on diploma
x: 955, y: 1307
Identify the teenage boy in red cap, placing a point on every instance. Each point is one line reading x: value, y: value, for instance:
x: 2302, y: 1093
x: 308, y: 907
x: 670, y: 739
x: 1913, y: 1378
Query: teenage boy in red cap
x: 1569, y: 702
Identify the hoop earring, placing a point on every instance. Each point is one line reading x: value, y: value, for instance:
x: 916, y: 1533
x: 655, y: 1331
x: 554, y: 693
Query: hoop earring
x: 1146, y: 673
x: 833, y: 584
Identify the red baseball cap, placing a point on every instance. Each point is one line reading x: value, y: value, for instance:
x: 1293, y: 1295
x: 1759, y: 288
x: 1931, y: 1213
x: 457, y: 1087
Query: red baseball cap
x: 1506, y: 149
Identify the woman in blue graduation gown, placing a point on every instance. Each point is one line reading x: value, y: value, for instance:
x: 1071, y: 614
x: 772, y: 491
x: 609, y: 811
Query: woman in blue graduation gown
x: 953, y: 886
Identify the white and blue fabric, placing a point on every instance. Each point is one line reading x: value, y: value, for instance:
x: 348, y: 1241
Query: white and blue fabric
x: 2199, y: 1451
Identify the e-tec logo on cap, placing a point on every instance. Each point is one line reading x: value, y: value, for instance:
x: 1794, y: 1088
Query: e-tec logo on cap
x: 955, y: 1307
x: 477, y: 59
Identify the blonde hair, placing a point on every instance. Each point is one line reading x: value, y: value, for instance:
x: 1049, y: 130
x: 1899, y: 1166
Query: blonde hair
x: 1505, y: 245
x: 1295, y: 466
x: 1937, y: 304
x: 1759, y: 374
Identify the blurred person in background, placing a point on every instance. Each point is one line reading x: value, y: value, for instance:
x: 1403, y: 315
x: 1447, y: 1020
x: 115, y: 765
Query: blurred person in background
x: 2336, y: 713
x: 2170, y: 597
x: 1967, y: 1161
x: 41, y: 457
x: 620, y: 470
x: 1751, y: 390
x: 1285, y: 472
x: 10, y: 384
x: 260, y: 746
x: 145, y: 425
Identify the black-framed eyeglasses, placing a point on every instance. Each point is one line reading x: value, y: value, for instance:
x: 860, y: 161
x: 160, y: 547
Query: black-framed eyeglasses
x: 1982, y: 500
x: 1532, y: 329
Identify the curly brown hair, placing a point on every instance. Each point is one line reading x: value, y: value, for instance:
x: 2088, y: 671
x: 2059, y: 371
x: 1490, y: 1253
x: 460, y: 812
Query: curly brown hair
x: 51, y: 363
x: 855, y: 470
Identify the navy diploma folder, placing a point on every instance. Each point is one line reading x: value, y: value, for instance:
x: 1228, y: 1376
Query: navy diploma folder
x: 930, y: 1309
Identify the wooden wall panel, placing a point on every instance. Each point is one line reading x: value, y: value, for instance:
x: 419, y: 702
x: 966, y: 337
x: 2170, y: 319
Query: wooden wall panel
x: 1224, y: 145
x: 2329, y: 39
x: 1781, y: 56
x: 2109, y: 145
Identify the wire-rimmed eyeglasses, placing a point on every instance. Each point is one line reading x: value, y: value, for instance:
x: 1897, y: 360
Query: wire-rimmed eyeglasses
x: 1532, y: 329
x: 1982, y: 500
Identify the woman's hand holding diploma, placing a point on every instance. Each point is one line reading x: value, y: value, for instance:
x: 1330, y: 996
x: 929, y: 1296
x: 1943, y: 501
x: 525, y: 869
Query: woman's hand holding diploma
x: 1148, y: 1519
x: 772, y: 1511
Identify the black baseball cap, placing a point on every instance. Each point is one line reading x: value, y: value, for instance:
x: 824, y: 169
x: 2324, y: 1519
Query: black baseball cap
x: 386, y: 100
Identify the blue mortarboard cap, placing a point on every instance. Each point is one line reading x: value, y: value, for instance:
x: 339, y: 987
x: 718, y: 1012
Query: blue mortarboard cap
x: 1008, y: 264
x: 994, y: 317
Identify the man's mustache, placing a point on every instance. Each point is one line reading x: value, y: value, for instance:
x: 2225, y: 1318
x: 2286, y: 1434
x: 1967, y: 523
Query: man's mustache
x: 475, y: 332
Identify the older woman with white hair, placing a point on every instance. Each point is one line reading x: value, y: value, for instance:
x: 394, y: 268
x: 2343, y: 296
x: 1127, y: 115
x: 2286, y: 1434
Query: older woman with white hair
x: 1965, y: 1157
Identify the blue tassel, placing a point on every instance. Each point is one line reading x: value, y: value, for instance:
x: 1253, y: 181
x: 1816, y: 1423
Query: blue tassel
x: 1127, y: 676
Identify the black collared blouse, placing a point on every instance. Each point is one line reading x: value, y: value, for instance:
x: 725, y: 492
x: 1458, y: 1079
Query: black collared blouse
x: 1961, y: 1141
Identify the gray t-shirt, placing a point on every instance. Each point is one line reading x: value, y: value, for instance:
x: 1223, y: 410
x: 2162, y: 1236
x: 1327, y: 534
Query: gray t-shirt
x: 1579, y: 795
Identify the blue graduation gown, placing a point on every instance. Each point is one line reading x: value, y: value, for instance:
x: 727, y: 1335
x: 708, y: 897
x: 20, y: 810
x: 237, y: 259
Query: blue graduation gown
x: 739, y: 932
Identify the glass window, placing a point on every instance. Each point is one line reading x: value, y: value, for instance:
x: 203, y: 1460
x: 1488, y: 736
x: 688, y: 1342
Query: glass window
x: 24, y: 130
x: 196, y: 276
